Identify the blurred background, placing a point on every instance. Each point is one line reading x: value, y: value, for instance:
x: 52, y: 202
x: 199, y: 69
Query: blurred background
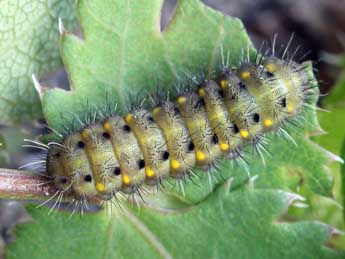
x: 319, y: 31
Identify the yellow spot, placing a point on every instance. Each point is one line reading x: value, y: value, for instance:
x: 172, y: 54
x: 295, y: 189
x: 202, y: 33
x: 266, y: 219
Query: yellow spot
x: 270, y: 68
x: 290, y: 108
x: 149, y: 172
x: 224, y: 146
x: 84, y: 134
x: 245, y: 75
x: 125, y: 179
x: 107, y: 126
x: 129, y: 117
x: 175, y: 164
x: 100, y: 187
x: 156, y: 110
x: 200, y: 156
x: 268, y: 122
x: 224, y: 83
x: 244, y: 133
x: 181, y: 100
x: 202, y: 92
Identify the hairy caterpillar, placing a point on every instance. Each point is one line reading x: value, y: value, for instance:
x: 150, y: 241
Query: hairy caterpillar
x: 169, y: 139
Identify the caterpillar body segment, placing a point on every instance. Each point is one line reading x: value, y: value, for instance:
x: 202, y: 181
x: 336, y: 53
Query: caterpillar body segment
x: 180, y: 147
x: 128, y: 152
x: 152, y: 144
x: 217, y: 113
x: 193, y: 110
x: 146, y: 146
x: 102, y: 159
x: 242, y: 107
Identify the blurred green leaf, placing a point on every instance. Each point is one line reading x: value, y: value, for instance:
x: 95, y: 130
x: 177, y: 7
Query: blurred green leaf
x: 333, y: 123
x: 343, y: 176
x: 28, y: 44
x: 328, y: 209
x: 11, y: 141
x: 3, y: 154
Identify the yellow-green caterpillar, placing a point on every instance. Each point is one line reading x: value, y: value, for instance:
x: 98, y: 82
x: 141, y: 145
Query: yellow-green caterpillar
x: 233, y: 108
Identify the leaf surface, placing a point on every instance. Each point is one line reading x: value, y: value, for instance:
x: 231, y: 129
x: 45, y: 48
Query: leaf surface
x: 240, y: 224
x: 28, y: 45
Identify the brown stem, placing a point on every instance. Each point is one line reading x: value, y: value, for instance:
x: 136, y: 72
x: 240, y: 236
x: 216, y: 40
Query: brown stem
x: 24, y: 185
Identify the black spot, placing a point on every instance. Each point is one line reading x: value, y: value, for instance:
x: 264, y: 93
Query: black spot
x: 236, y: 129
x: 221, y: 93
x: 200, y: 103
x: 214, y: 139
x: 242, y: 85
x: 256, y: 117
x: 117, y: 171
x: 126, y: 128
x: 88, y: 178
x: 150, y: 119
x: 57, y: 155
x: 165, y: 155
x: 106, y: 135
x: 63, y: 180
x: 283, y: 102
x: 202, y: 84
x: 191, y: 146
x: 141, y: 163
x: 269, y: 74
x: 176, y: 111
x: 81, y: 144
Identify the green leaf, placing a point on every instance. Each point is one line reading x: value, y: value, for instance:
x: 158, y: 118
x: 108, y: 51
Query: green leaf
x: 333, y: 121
x: 226, y: 225
x: 337, y: 95
x: 328, y: 209
x: 3, y: 152
x: 343, y: 177
x: 11, y: 145
x: 28, y: 44
x: 124, y: 51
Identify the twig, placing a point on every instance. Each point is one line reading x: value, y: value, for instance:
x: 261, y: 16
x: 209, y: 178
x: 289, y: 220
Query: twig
x: 24, y: 185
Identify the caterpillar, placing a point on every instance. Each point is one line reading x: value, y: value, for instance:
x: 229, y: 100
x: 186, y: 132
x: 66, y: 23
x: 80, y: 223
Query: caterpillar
x: 214, y: 120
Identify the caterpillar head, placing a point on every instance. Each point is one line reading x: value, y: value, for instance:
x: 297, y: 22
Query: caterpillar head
x: 67, y: 165
x: 55, y: 169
